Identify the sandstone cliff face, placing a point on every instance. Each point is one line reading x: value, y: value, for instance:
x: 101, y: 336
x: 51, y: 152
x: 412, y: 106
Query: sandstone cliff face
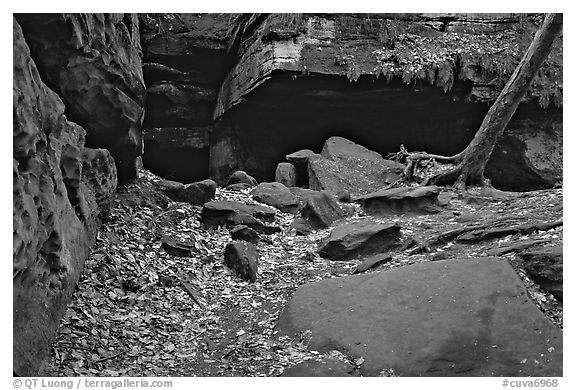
x: 93, y: 62
x: 378, y: 80
x: 185, y: 57
x: 59, y: 190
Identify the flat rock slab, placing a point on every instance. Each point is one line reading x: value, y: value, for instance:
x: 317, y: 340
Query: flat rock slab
x: 470, y: 317
x: 419, y: 200
x: 359, y: 238
x: 232, y: 213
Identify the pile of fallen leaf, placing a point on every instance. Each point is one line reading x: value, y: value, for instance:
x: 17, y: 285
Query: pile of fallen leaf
x: 139, y: 311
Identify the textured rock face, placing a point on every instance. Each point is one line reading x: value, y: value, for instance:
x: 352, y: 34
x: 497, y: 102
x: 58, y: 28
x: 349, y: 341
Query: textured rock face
x: 289, y: 89
x: 93, y: 61
x: 59, y: 189
x: 185, y: 57
x: 467, y: 317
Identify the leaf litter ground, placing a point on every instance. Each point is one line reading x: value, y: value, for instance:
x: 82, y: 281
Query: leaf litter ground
x: 131, y: 316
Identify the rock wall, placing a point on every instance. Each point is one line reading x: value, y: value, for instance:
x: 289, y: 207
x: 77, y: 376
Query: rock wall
x: 185, y: 58
x: 93, y: 62
x: 299, y: 79
x: 60, y: 188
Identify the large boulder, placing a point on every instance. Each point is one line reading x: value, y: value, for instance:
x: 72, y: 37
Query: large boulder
x: 466, y: 317
x: 359, y: 238
x: 419, y: 200
x: 275, y: 195
x: 93, y: 61
x: 345, y: 165
x: 59, y: 190
x: 546, y: 266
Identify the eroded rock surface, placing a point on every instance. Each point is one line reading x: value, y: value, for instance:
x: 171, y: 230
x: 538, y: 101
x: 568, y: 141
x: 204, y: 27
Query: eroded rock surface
x: 467, y: 317
x: 59, y: 190
x: 93, y: 62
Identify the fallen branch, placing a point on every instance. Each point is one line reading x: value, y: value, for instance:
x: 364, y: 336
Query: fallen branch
x: 191, y: 292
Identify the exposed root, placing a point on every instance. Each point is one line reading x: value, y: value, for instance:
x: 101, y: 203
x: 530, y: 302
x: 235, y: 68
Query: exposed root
x: 414, y: 160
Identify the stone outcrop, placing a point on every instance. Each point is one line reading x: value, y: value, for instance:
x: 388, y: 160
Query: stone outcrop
x: 467, y: 317
x: 275, y: 195
x: 185, y: 59
x: 93, y: 62
x: 231, y: 213
x: 546, y: 266
x: 299, y: 79
x: 59, y: 190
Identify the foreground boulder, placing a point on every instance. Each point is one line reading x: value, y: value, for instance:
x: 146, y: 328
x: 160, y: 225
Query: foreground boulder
x: 359, y: 238
x: 466, y: 317
x: 545, y: 266
x: 345, y: 165
x: 321, y: 209
x: 276, y: 195
x: 231, y: 213
x: 93, y: 62
x: 59, y: 190
x: 420, y: 200
x: 242, y: 257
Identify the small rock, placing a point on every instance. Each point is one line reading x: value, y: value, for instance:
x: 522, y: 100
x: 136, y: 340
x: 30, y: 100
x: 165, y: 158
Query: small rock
x: 196, y: 193
x: 276, y: 195
x: 302, y: 226
x: 344, y: 196
x: 286, y: 174
x: 244, y: 233
x: 177, y: 248
x: 242, y: 257
x: 372, y: 262
x: 242, y: 177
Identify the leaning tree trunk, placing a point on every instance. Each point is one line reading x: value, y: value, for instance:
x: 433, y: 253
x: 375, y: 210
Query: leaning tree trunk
x: 472, y: 160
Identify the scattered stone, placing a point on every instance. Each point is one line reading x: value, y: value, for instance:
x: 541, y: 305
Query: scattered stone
x: 231, y: 213
x: 372, y: 262
x: 418, y: 200
x: 448, y: 318
x: 326, y: 367
x: 177, y: 248
x: 276, y: 195
x: 242, y: 177
x: 302, y: 226
x: 321, y: 209
x: 242, y: 257
x: 345, y: 165
x: 244, y: 233
x: 286, y: 174
x: 545, y: 266
x: 200, y: 192
x: 359, y: 238
x: 196, y: 193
